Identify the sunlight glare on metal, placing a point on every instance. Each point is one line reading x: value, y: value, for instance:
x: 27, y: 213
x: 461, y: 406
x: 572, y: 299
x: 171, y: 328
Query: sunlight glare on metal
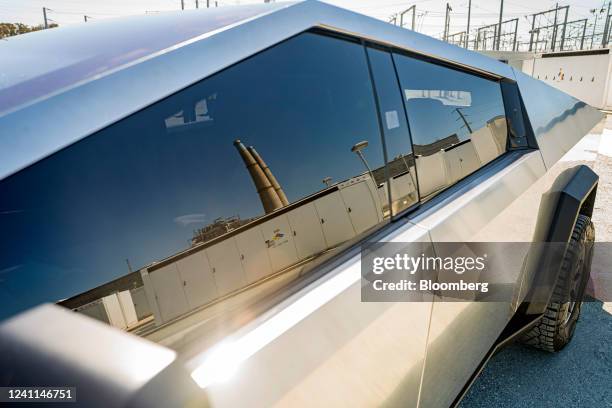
x: 223, y: 361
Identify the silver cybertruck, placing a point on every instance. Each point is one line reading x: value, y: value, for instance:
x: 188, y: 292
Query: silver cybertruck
x: 184, y: 196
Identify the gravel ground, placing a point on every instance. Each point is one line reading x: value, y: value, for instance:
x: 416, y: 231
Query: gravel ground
x: 581, y: 374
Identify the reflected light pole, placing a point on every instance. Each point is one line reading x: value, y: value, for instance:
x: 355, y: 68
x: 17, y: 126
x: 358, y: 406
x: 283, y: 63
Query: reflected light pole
x: 357, y: 148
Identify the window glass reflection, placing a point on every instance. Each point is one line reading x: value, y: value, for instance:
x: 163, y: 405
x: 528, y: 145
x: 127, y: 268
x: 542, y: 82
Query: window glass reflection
x: 401, y: 166
x: 456, y: 121
x: 255, y: 171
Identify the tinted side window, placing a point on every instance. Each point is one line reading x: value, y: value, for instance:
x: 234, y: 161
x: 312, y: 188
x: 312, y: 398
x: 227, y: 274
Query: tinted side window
x: 248, y: 173
x: 457, y: 121
x: 401, y: 166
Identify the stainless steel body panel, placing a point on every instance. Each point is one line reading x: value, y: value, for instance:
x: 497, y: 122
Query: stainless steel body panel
x: 558, y: 120
x: 461, y: 333
x: 77, y: 110
x: 467, y: 211
x: 107, y: 367
x: 322, y: 345
x: 352, y: 358
x: 349, y: 353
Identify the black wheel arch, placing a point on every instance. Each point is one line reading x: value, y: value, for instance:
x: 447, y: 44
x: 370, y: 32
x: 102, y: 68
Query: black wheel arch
x: 572, y: 193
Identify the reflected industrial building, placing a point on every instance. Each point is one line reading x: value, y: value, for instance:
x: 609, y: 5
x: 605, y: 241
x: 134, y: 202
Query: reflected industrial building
x: 276, y: 191
x: 231, y: 254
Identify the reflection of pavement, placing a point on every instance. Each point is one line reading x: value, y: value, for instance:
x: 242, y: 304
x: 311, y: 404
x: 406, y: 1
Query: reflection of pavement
x: 581, y: 374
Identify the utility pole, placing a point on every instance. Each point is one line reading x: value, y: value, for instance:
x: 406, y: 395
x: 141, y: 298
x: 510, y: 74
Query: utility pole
x: 554, y: 33
x: 45, y: 17
x: 85, y: 18
x: 515, y: 45
x: 182, y: 4
x: 197, y: 4
x: 604, y: 39
x: 564, y: 27
x: 594, y: 11
x: 408, y: 10
x: 207, y: 3
x: 499, y: 26
x: 531, y: 33
x: 467, y: 31
x: 465, y: 122
x: 447, y: 21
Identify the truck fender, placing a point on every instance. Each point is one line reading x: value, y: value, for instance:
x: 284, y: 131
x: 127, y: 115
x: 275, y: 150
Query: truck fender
x: 572, y: 193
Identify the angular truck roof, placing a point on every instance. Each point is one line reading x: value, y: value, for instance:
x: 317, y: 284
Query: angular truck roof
x: 58, y: 86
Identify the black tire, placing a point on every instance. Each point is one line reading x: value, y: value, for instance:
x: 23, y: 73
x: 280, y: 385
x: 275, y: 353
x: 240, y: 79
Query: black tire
x: 556, y: 328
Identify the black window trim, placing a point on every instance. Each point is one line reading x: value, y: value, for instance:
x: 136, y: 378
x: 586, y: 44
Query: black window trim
x: 381, y: 130
x: 380, y: 47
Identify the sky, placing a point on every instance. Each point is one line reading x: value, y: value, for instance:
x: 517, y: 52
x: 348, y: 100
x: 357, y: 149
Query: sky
x: 430, y: 13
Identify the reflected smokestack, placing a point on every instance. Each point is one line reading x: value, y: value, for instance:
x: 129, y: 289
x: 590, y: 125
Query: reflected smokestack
x: 267, y: 194
x: 268, y: 173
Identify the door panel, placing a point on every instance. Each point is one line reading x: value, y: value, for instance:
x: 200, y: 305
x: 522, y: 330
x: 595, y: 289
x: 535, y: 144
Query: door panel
x: 226, y: 266
x: 334, y: 219
x: 461, y: 333
x: 141, y: 303
x: 169, y: 292
x: 349, y: 353
x: 360, y: 205
x: 253, y: 254
x: 279, y: 240
x: 468, y: 158
x: 307, y: 231
x: 436, y: 168
x: 197, y: 276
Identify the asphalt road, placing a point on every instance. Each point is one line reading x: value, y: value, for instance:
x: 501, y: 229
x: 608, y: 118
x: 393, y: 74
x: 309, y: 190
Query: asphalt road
x: 578, y: 376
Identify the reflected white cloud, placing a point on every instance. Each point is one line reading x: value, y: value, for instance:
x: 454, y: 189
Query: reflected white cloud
x: 9, y: 269
x: 190, y: 219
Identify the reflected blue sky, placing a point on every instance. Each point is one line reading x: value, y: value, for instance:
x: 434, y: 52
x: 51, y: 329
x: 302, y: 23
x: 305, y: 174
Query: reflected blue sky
x: 431, y: 119
x: 137, y: 190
